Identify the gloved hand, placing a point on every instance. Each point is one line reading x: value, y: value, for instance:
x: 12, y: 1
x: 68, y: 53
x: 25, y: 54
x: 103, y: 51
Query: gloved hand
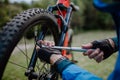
x: 105, y: 46
x: 45, y: 53
x: 100, y: 50
x: 57, y: 60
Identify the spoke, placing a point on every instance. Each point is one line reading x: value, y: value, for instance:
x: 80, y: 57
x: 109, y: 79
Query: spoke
x: 23, y: 52
x: 26, y: 51
x: 43, y: 67
x: 40, y: 70
x: 44, y: 71
x: 17, y: 64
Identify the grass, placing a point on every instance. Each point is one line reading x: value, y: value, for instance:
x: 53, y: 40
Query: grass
x: 102, y: 69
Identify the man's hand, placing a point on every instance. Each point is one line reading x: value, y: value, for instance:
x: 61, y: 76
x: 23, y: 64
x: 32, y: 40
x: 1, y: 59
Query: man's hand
x: 103, y: 49
x: 47, y: 54
x: 96, y: 54
x: 52, y: 56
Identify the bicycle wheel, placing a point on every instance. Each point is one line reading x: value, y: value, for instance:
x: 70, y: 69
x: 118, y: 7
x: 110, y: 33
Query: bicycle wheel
x: 13, y: 42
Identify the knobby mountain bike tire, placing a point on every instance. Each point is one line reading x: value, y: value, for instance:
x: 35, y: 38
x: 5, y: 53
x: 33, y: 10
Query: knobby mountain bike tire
x: 13, y: 33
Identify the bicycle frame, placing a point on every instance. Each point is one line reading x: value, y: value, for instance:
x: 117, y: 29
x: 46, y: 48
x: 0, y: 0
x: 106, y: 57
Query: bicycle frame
x: 63, y: 15
x: 66, y: 3
x: 64, y: 11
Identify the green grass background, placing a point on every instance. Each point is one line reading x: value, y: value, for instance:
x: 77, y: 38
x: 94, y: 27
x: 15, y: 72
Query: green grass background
x: 102, y: 69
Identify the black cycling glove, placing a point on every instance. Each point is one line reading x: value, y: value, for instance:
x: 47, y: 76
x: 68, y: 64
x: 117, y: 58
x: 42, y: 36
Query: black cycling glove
x: 45, y: 54
x: 61, y: 64
x: 105, y: 46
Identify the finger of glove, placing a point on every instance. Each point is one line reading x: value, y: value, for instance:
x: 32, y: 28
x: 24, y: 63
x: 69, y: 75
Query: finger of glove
x: 88, y: 52
x: 94, y: 53
x: 99, y: 57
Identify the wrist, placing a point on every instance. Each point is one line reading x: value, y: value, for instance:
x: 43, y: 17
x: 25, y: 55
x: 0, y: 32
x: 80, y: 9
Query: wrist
x: 111, y: 43
x: 115, y: 41
x: 61, y: 64
x: 54, y: 58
